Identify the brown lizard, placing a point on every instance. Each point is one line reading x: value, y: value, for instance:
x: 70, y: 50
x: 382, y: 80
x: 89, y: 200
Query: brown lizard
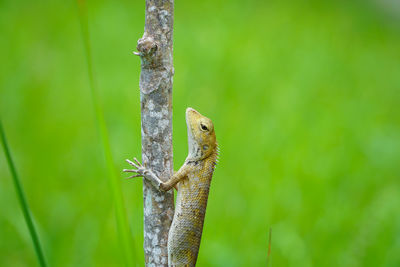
x: 192, y: 181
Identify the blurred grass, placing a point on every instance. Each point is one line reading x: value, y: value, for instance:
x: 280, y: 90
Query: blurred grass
x: 304, y: 96
x: 124, y: 233
x: 22, y: 199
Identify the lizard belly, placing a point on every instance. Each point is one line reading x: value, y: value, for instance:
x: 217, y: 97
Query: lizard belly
x: 187, y: 226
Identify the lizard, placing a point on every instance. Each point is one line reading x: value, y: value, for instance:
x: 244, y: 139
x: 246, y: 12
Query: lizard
x: 192, y: 182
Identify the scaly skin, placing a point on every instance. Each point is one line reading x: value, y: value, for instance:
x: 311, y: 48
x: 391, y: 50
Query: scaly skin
x: 193, y: 183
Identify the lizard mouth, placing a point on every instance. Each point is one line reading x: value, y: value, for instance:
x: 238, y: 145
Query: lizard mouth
x: 189, y: 115
x: 190, y: 111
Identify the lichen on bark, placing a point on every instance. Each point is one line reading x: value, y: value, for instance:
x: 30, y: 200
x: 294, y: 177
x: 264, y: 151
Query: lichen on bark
x: 155, y: 51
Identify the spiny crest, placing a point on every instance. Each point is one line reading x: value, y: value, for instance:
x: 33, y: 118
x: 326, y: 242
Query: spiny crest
x: 216, y: 157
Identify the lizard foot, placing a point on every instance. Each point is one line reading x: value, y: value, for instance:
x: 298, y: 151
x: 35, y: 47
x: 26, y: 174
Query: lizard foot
x: 140, y: 169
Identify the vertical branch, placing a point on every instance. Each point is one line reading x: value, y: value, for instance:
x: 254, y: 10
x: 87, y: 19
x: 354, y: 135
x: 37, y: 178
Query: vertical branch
x: 155, y: 51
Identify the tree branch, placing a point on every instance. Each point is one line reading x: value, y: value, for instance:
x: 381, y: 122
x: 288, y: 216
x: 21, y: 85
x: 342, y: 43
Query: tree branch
x: 155, y: 51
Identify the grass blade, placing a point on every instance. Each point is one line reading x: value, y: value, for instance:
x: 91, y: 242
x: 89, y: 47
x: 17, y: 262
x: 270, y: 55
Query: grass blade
x: 22, y: 200
x: 114, y: 182
x: 269, y: 246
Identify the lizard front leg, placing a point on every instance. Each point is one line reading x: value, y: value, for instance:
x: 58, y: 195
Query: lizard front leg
x: 153, y: 179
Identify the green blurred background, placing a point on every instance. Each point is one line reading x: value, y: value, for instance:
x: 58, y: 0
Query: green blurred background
x: 304, y: 96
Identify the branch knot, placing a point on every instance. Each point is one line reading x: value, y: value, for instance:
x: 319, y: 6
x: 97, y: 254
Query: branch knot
x: 146, y: 46
x: 148, y: 51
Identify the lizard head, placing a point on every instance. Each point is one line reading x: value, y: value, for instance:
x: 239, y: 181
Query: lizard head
x: 201, y: 135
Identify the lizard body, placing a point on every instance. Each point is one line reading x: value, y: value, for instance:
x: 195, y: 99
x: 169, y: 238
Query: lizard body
x: 192, y: 181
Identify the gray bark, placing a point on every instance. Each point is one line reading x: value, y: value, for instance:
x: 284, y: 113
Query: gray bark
x: 155, y: 51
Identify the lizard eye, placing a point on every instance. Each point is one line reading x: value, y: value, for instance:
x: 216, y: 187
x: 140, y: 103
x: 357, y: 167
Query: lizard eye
x: 203, y: 127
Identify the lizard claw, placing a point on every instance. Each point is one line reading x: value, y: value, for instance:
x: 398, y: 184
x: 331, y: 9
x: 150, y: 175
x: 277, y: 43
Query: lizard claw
x: 129, y: 170
x: 139, y: 169
x: 138, y: 163
x: 133, y: 176
x: 132, y: 163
